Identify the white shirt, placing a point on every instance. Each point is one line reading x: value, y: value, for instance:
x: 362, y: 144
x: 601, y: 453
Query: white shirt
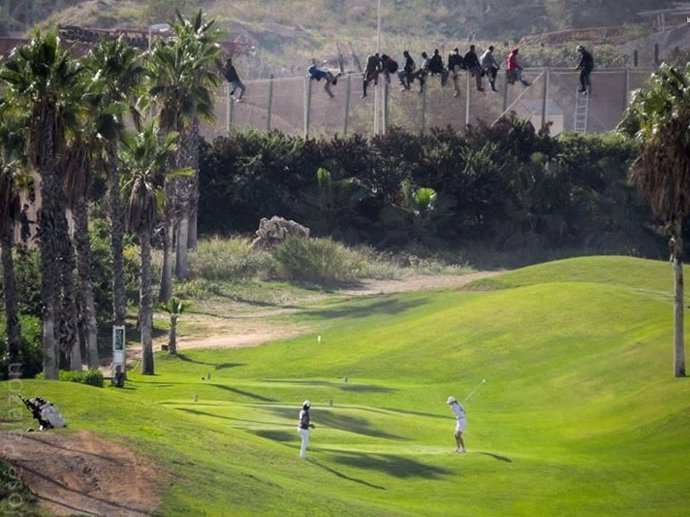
x: 458, y: 410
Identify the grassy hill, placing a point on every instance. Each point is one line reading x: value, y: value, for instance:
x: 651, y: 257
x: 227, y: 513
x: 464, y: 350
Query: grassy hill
x: 580, y: 413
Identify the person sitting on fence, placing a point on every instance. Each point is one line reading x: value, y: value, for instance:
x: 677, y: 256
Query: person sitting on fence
x: 455, y: 64
x: 514, y: 72
x: 389, y: 67
x: 436, y: 67
x: 585, y: 67
x: 490, y: 66
x: 473, y: 66
x: 230, y: 74
x: 316, y: 73
x: 422, y: 72
x: 371, y: 72
x: 406, y: 75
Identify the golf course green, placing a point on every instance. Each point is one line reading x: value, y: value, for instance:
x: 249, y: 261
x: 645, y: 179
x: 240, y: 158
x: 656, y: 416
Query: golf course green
x: 580, y: 413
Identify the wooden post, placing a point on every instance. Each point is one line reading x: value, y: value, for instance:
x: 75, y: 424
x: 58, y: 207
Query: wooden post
x: 656, y: 54
x: 270, y: 102
x: 635, y: 58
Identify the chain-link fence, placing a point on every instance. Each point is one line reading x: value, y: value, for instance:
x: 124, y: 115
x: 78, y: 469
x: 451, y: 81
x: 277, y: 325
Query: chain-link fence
x: 299, y: 106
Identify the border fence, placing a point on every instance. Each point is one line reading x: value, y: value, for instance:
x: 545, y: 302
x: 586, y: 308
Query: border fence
x: 297, y: 105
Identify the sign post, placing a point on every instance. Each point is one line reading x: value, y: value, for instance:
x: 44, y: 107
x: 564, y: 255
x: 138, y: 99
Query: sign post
x: 119, y: 346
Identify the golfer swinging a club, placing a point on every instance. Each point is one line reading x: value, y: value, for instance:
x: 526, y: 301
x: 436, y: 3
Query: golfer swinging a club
x: 461, y: 423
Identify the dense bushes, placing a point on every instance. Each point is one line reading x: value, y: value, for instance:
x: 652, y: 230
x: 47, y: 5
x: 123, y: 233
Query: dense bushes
x: 90, y: 377
x: 505, y: 187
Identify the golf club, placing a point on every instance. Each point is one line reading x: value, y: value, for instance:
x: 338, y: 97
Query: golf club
x: 473, y: 391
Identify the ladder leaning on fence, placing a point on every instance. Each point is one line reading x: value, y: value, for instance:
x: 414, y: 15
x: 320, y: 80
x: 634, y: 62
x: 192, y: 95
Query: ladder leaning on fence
x: 581, y: 108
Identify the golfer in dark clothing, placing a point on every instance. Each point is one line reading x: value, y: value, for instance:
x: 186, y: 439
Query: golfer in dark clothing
x: 585, y: 67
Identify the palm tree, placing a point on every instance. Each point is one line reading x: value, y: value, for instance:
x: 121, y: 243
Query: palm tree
x: 12, y: 179
x: 174, y: 307
x: 145, y: 157
x: 117, y: 73
x: 42, y: 79
x: 659, y: 116
x: 184, y: 72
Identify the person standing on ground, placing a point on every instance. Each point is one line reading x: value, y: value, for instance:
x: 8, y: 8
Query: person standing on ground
x: 303, y: 428
x: 455, y: 64
x: 461, y: 423
x: 585, y: 67
x: 514, y: 69
x: 371, y: 72
x: 490, y: 66
x: 473, y: 66
x: 230, y: 74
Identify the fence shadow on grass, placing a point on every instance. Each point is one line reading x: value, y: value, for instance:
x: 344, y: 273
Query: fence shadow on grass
x: 345, y: 476
x: 363, y: 388
x: 374, y: 308
x: 393, y: 465
x: 217, y: 366
x: 327, y: 418
x: 277, y: 436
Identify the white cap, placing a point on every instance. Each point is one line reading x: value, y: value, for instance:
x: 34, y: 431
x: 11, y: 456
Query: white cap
x: 451, y: 399
x: 306, y: 403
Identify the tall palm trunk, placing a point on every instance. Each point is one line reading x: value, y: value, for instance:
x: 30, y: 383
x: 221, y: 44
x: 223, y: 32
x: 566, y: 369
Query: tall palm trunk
x: 146, y: 304
x: 117, y: 231
x: 42, y: 144
x: 679, y: 338
x: 9, y: 282
x: 187, y: 196
x: 172, y: 341
x: 83, y: 247
x: 167, y: 267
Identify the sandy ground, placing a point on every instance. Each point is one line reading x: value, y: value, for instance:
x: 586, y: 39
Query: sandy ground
x: 81, y: 473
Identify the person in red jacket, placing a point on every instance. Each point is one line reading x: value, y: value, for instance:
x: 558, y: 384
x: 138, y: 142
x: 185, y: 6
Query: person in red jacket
x: 514, y: 70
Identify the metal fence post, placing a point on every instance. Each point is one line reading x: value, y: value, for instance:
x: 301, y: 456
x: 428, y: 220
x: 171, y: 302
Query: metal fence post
x: 544, y: 101
x: 228, y: 108
x: 626, y: 97
x: 423, y: 117
x: 270, y: 102
x: 307, y: 105
x: 386, y: 94
x: 467, y: 99
x: 348, y: 90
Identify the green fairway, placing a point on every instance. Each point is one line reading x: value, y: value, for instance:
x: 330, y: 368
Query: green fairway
x: 580, y: 413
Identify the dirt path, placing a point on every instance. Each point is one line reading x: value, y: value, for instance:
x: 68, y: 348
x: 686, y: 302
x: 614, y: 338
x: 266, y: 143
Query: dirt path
x: 80, y: 473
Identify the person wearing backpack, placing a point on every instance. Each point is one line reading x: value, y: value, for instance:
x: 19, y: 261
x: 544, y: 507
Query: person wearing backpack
x: 390, y: 67
x: 303, y: 427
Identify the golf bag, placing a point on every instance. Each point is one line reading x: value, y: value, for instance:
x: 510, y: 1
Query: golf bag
x: 47, y: 415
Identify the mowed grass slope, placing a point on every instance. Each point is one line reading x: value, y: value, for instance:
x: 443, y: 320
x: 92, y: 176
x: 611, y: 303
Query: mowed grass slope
x: 580, y: 413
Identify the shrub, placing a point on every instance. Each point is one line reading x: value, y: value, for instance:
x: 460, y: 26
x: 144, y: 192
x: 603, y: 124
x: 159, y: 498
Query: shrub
x: 31, y: 347
x: 317, y: 260
x: 227, y: 259
x: 90, y: 377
